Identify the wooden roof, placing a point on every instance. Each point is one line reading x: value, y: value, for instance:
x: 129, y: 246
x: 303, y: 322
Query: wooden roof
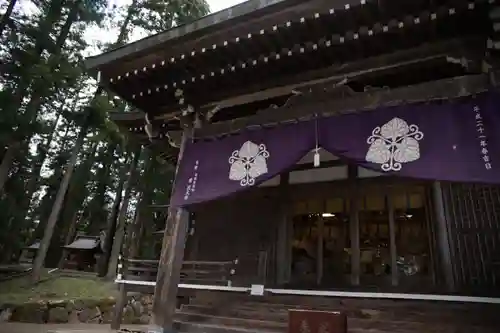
x: 184, y: 38
x: 213, y: 63
x: 84, y: 243
x: 34, y: 246
x: 252, y: 58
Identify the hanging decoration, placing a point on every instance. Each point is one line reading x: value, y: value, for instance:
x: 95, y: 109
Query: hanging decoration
x: 449, y: 141
x: 317, y: 157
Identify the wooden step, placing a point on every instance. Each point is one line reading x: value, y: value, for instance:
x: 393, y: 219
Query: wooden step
x: 280, y: 311
x: 393, y: 313
x: 281, y: 317
x: 230, y: 311
x: 316, y: 301
x: 195, y: 327
x: 354, y: 324
x: 349, y: 303
x: 271, y: 313
x: 230, y: 321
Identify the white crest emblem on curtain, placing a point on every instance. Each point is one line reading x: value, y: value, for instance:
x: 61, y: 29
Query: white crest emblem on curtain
x: 393, y: 144
x: 248, y: 163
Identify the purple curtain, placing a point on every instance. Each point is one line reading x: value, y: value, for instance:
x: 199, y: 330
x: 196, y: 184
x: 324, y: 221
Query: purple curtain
x: 213, y: 169
x: 453, y: 140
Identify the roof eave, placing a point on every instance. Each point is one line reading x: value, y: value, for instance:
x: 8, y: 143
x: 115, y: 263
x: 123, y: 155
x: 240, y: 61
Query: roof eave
x: 209, y: 21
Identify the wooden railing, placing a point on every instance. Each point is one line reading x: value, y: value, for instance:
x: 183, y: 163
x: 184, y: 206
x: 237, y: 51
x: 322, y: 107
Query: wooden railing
x: 252, y: 269
x: 139, y: 275
x: 192, y: 272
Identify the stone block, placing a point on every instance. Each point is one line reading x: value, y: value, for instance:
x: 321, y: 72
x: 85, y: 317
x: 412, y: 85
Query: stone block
x: 58, y: 315
x: 138, y: 308
x: 88, y: 314
x: 35, y: 313
x: 73, y: 317
x: 144, y: 319
x: 129, y: 316
x: 5, y: 315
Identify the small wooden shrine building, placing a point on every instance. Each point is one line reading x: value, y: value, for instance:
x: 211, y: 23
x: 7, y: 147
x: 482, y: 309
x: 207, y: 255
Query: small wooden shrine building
x: 82, y: 254
x: 28, y: 253
x: 355, y: 143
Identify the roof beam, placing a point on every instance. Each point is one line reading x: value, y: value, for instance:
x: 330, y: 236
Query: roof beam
x: 308, y: 106
x: 366, y: 67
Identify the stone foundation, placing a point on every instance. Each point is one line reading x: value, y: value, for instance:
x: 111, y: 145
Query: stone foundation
x: 137, y: 311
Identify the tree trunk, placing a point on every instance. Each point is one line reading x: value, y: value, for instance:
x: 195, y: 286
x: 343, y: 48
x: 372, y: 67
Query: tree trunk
x: 146, y: 187
x: 7, y: 160
x: 98, y: 214
x: 6, y: 249
x: 124, y: 31
x: 46, y: 27
x: 122, y: 219
x: 34, y: 180
x: 6, y: 16
x: 134, y: 230
x: 77, y: 191
x: 111, y: 227
x: 56, y: 208
x: 70, y: 234
x: 37, y: 96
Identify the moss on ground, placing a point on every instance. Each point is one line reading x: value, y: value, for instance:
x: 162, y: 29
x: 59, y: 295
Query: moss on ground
x: 53, y: 287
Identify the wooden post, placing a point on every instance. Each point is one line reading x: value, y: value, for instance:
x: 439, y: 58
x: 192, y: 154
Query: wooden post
x: 282, y: 253
x: 262, y: 268
x: 172, y: 255
x: 443, y: 244
x: 354, y: 225
x: 392, y: 239
x: 319, y: 258
x: 116, y: 321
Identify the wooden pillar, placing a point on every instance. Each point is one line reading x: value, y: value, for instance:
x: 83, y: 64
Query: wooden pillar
x: 116, y: 321
x: 262, y: 268
x: 282, y: 253
x: 172, y: 255
x: 392, y: 239
x: 319, y: 254
x: 354, y: 225
x: 281, y: 257
x: 443, y: 244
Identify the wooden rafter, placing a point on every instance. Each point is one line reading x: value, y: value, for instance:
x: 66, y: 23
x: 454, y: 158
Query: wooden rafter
x: 223, y: 30
x: 460, y: 48
x: 279, y: 57
x: 309, y: 42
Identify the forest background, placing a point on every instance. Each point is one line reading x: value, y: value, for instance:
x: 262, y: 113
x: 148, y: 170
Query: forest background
x: 65, y: 168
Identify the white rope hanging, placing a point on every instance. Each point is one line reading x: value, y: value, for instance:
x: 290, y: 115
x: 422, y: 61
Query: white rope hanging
x: 317, y: 157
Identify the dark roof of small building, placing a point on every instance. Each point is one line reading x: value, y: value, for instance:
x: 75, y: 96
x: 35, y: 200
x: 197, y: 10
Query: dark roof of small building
x: 83, y: 243
x: 34, y: 246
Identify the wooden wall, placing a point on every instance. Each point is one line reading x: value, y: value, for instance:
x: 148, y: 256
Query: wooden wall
x: 240, y: 227
x: 473, y: 221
